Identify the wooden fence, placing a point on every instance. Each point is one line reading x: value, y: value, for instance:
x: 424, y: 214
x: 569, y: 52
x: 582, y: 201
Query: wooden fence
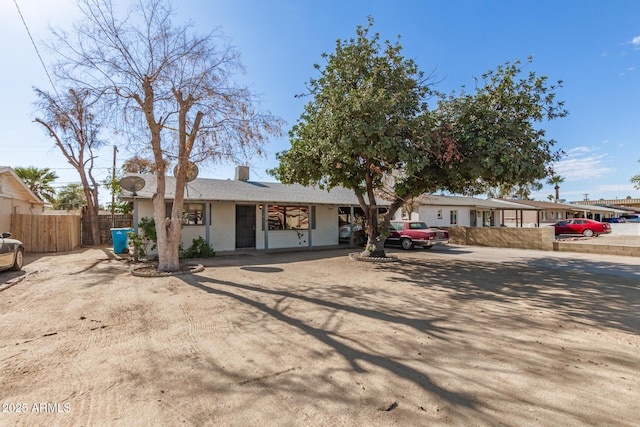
x: 46, y: 233
x: 105, y: 223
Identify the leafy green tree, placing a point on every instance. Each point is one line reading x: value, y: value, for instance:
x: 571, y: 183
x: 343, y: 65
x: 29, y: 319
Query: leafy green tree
x: 70, y: 197
x: 112, y: 183
x: 39, y: 181
x: 522, y: 192
x: 556, y: 180
x: 368, y: 127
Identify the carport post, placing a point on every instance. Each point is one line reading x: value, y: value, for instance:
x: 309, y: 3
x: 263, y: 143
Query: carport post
x: 135, y: 226
x: 351, y: 227
x: 135, y: 214
x: 207, y: 223
x: 310, y: 226
x: 265, y: 226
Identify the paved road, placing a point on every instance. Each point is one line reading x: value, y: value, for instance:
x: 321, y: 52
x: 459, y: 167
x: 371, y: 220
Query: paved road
x: 591, y: 263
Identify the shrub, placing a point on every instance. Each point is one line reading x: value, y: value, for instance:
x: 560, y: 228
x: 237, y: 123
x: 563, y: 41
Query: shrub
x: 199, y: 249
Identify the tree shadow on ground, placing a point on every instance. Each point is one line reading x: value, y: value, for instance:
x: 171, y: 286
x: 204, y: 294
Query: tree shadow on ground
x: 470, y: 353
x: 357, y: 358
x: 566, y: 286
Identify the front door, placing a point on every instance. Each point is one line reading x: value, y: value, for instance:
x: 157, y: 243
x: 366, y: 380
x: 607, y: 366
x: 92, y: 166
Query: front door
x: 245, y: 226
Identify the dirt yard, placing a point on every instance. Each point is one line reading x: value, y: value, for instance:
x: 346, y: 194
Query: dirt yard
x: 451, y: 336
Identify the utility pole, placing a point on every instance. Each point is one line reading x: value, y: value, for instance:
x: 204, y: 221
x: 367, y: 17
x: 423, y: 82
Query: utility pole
x: 113, y: 190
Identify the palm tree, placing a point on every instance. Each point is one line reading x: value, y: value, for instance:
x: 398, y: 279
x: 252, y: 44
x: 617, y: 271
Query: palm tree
x: 550, y: 197
x: 39, y: 181
x: 556, y: 180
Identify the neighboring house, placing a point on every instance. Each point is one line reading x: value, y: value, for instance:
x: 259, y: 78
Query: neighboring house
x: 15, y: 198
x: 447, y: 211
x: 628, y: 204
x: 551, y: 212
x: 242, y: 214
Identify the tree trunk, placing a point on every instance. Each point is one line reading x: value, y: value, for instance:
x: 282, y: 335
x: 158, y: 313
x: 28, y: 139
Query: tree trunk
x: 168, y: 229
x: 378, y: 244
x: 95, y: 225
x: 90, y: 195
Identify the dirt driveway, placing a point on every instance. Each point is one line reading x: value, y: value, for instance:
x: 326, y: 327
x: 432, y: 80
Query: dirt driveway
x: 451, y: 336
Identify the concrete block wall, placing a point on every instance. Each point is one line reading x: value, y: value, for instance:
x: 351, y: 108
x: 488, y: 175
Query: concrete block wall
x: 504, y: 237
x: 599, y: 249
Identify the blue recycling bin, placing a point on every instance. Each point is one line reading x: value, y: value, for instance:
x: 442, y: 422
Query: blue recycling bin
x: 120, y: 240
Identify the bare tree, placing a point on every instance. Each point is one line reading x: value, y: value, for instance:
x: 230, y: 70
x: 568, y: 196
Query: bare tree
x: 139, y: 164
x: 171, y: 85
x: 70, y: 121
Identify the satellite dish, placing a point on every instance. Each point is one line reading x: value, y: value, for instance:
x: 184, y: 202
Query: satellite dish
x: 132, y: 183
x: 192, y: 171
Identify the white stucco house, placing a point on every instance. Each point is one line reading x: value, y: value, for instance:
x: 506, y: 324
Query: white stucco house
x: 552, y: 212
x: 16, y: 198
x: 243, y: 214
x: 449, y: 211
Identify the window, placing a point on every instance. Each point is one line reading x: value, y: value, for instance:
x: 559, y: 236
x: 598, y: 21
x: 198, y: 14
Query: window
x: 290, y: 217
x: 192, y: 213
x: 418, y: 226
x: 453, y: 217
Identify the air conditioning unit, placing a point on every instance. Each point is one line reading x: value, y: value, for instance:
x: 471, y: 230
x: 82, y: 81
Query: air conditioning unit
x: 242, y: 173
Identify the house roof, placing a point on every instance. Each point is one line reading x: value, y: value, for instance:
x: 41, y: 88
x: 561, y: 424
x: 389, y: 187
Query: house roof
x: 574, y: 207
x: 20, y: 186
x: 206, y: 189
x: 596, y: 208
x: 473, y: 202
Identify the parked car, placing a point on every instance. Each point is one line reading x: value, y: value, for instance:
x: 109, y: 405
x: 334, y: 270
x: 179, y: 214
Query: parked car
x: 359, y: 236
x: 631, y: 217
x: 415, y: 233
x: 613, y: 220
x: 586, y: 227
x: 11, y: 253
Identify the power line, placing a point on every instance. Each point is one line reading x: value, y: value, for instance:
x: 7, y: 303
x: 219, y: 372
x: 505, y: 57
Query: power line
x: 36, y: 48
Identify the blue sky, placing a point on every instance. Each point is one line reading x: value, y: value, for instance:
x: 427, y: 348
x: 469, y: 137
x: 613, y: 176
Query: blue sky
x: 593, y: 46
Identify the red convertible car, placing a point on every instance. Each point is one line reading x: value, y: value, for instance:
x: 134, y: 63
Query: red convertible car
x: 586, y: 227
x: 415, y: 233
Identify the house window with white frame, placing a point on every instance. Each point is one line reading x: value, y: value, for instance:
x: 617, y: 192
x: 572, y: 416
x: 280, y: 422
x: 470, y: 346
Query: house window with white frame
x: 453, y: 217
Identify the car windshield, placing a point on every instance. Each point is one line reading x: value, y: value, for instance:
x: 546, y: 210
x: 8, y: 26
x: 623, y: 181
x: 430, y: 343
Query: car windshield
x: 418, y: 225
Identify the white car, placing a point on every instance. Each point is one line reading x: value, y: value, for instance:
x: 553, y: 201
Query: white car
x: 344, y: 233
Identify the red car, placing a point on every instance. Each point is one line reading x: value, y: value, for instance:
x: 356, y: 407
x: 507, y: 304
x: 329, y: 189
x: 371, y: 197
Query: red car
x: 586, y: 227
x: 415, y: 233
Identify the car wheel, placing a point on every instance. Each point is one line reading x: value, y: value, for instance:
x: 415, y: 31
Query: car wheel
x: 587, y: 233
x: 406, y: 244
x: 17, y: 263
